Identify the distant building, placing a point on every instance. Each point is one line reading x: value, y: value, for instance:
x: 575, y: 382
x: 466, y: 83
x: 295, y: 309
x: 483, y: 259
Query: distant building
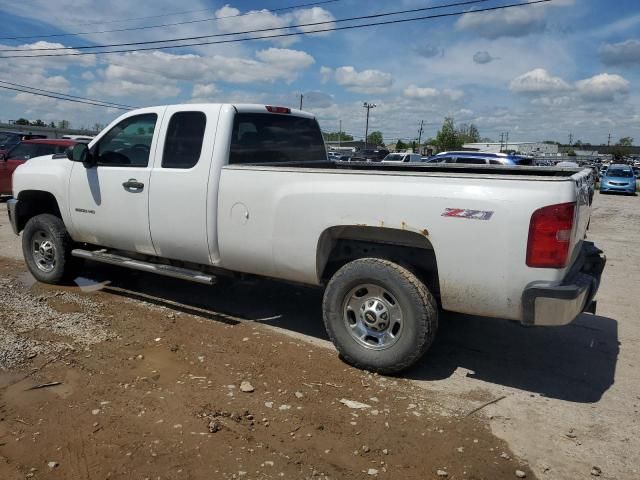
x: 524, y: 148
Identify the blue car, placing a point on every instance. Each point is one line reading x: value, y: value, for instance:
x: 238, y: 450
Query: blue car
x: 479, y: 158
x: 618, y: 178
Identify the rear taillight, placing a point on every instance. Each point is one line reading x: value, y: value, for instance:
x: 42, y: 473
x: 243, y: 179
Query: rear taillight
x: 550, y: 236
x: 278, y: 109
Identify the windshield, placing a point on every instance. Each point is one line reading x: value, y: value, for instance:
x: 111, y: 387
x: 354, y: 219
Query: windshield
x: 8, y: 138
x: 394, y: 157
x: 24, y: 151
x: 619, y: 172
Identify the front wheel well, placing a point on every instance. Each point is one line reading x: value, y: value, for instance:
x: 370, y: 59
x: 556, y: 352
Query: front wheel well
x: 35, y: 202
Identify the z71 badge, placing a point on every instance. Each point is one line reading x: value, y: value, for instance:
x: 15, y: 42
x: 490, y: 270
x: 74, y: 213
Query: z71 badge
x: 466, y: 213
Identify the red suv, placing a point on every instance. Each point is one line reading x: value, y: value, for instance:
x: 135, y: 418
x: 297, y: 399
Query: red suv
x: 23, y: 152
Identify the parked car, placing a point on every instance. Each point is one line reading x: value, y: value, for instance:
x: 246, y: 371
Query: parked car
x: 369, y: 155
x: 24, y: 151
x: 402, y: 157
x: 636, y: 171
x: 480, y: 158
x: 217, y: 189
x: 618, y: 178
x: 8, y: 140
x: 78, y: 138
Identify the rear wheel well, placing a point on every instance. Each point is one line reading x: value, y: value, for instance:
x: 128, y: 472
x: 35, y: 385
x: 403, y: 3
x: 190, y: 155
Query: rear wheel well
x: 341, y: 245
x: 35, y: 202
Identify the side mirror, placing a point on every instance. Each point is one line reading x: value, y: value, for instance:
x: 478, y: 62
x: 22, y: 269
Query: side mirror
x: 3, y: 157
x: 80, y: 153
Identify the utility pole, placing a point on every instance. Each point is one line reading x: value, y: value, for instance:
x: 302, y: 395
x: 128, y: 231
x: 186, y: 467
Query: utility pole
x: 340, y: 134
x: 570, y: 138
x: 506, y: 142
x: 301, y: 97
x: 368, y: 106
x: 420, y: 135
x: 501, y: 140
x: 609, y: 141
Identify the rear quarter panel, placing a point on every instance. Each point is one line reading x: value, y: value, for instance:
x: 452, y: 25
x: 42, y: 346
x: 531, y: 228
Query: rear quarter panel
x: 271, y: 219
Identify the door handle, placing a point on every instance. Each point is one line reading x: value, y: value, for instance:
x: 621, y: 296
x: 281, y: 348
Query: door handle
x: 133, y: 184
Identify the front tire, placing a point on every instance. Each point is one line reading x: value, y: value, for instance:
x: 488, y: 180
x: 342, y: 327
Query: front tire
x: 379, y: 315
x: 46, y: 246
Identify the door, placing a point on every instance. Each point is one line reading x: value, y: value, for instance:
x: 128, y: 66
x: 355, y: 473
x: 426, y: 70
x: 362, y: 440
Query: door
x: 182, y: 188
x: 109, y: 202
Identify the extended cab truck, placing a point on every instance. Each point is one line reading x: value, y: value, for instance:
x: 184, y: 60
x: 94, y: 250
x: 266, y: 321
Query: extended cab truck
x: 198, y: 191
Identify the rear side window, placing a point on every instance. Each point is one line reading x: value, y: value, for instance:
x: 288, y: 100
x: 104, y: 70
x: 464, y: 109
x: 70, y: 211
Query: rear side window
x: 183, y: 144
x: 46, y: 149
x: 271, y: 138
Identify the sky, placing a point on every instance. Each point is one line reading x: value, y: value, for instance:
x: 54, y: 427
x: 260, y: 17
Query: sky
x: 539, y: 72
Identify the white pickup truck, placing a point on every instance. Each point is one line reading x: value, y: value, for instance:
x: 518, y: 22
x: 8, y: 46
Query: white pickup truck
x: 203, y: 191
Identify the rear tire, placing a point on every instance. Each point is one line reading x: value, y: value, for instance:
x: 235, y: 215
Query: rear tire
x: 46, y: 246
x: 379, y: 315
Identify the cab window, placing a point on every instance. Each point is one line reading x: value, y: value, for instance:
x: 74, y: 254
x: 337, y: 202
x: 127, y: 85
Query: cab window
x: 269, y: 138
x: 183, y: 144
x: 128, y: 144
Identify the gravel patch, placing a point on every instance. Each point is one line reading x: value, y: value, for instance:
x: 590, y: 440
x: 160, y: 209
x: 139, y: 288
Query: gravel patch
x: 25, y: 315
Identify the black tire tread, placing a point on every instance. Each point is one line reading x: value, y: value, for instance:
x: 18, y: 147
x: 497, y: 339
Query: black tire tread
x: 428, y: 319
x: 69, y: 265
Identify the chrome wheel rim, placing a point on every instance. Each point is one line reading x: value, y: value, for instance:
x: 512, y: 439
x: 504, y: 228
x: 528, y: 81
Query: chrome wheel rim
x: 44, y: 251
x: 373, y: 316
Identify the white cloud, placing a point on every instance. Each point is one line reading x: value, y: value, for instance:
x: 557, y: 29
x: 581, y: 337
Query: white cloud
x: 314, y: 15
x: 365, y: 81
x: 623, y: 53
x: 556, y: 91
x: 286, y: 58
x: 538, y: 81
x: 201, y: 90
x: 453, y: 93
x: 413, y: 91
x: 603, y: 87
x: 510, y: 22
x: 420, y: 92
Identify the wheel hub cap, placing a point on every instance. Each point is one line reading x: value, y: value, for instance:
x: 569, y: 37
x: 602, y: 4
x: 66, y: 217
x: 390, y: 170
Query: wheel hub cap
x: 372, y: 316
x: 44, y: 251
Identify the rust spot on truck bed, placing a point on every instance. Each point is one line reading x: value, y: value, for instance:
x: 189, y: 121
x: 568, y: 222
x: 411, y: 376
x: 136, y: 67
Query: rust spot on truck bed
x: 424, y: 232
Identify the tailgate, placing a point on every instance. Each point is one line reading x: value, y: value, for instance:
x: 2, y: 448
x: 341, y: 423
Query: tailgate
x: 585, y: 187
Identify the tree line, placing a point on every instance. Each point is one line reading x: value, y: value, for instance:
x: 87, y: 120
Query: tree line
x: 61, y: 124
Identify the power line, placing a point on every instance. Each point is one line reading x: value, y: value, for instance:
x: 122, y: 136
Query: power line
x: 147, y: 27
x: 258, y: 30
x: 94, y: 103
x: 290, y: 34
x: 67, y: 95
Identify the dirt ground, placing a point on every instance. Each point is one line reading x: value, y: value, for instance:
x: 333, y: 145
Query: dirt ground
x: 151, y: 370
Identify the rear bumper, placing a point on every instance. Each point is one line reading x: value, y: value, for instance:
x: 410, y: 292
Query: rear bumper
x: 561, y: 304
x: 618, y: 188
x: 12, y: 207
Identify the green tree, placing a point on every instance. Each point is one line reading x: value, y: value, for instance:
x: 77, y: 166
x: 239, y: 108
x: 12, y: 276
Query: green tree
x: 400, y: 145
x: 337, y: 136
x: 468, y: 133
x: 375, y: 138
x: 625, y: 142
x: 38, y: 123
x: 571, y: 153
x: 22, y: 121
x: 64, y: 124
x: 447, y: 137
